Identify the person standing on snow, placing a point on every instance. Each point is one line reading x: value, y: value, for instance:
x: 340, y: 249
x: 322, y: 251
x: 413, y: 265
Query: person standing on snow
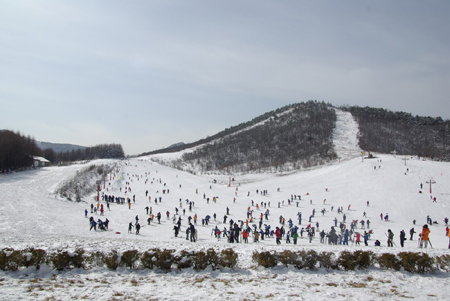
x: 424, y: 236
x: 130, y: 227
x: 358, y: 238
x: 402, y: 238
x: 295, y: 237
x: 93, y: 225
x: 138, y: 227
x: 390, y: 238
x: 449, y: 239
x: 411, y: 233
x: 346, y: 235
x: 366, y: 238
x: 278, y: 235
x: 192, y: 232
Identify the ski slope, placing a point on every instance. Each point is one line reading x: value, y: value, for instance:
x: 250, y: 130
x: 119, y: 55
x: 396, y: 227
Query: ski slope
x: 31, y: 215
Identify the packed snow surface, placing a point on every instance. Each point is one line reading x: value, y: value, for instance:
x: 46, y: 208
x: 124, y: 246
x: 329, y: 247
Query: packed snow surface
x: 31, y: 215
x: 345, y: 136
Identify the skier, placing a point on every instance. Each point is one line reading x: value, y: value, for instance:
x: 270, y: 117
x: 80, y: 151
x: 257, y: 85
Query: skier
x: 130, y: 227
x: 245, y: 236
x: 411, y: 233
x: 322, y: 236
x: 295, y: 237
x: 346, y: 234
x: 402, y: 238
x: 138, y: 227
x: 449, y: 239
x: 358, y: 238
x: 390, y: 238
x: 424, y: 236
x: 332, y: 237
x: 192, y: 232
x: 310, y: 234
x: 366, y: 238
x: 93, y: 224
x: 278, y: 235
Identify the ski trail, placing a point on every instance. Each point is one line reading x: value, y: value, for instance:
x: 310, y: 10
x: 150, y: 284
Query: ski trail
x: 345, y: 136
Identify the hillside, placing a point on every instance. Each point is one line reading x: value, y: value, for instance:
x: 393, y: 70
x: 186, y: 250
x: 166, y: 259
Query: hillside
x: 385, y: 131
x: 290, y: 138
x: 300, y: 136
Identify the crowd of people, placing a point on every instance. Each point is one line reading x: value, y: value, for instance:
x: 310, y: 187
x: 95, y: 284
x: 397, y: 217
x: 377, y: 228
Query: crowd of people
x: 254, y: 225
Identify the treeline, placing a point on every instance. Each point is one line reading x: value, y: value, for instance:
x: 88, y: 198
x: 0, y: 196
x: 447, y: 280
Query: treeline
x: 295, y: 136
x: 17, y: 151
x: 385, y: 131
x: 101, y: 151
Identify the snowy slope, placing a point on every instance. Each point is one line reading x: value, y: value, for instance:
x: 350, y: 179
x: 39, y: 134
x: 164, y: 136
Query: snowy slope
x: 31, y: 215
x: 345, y: 136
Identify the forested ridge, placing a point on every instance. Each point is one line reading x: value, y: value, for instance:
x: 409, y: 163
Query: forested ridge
x: 289, y: 138
x: 386, y: 131
x: 300, y: 135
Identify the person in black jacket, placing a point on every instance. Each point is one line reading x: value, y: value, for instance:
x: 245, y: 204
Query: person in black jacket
x: 411, y: 233
x: 402, y: 238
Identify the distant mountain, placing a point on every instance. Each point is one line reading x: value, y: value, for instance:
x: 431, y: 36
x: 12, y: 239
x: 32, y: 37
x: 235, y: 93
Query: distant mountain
x: 179, y: 144
x: 59, y: 147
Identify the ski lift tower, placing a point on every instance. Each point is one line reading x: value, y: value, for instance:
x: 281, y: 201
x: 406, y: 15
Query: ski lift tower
x: 405, y: 159
x: 99, y: 182
x: 431, y: 181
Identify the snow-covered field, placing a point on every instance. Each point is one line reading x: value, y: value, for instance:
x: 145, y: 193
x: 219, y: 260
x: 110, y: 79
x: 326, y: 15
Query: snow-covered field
x: 31, y: 215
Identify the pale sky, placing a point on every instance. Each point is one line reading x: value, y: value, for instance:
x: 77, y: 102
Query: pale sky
x: 147, y: 74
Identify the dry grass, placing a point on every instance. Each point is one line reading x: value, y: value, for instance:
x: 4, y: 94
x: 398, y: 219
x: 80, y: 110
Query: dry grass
x: 357, y: 285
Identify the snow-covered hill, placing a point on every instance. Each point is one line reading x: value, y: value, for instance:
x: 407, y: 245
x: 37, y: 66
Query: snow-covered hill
x: 31, y: 215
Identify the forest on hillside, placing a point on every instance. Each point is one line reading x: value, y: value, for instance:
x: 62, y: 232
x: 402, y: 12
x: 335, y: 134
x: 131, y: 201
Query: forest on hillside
x: 17, y: 152
x: 101, y: 151
x: 385, y: 131
x: 290, y: 138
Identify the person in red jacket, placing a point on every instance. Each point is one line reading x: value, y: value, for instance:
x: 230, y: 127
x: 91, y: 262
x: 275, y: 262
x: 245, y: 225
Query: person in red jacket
x: 245, y: 236
x: 424, y: 236
x: 278, y: 235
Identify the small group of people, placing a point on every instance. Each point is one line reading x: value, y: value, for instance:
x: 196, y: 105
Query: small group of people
x: 102, y: 225
x: 423, y: 237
